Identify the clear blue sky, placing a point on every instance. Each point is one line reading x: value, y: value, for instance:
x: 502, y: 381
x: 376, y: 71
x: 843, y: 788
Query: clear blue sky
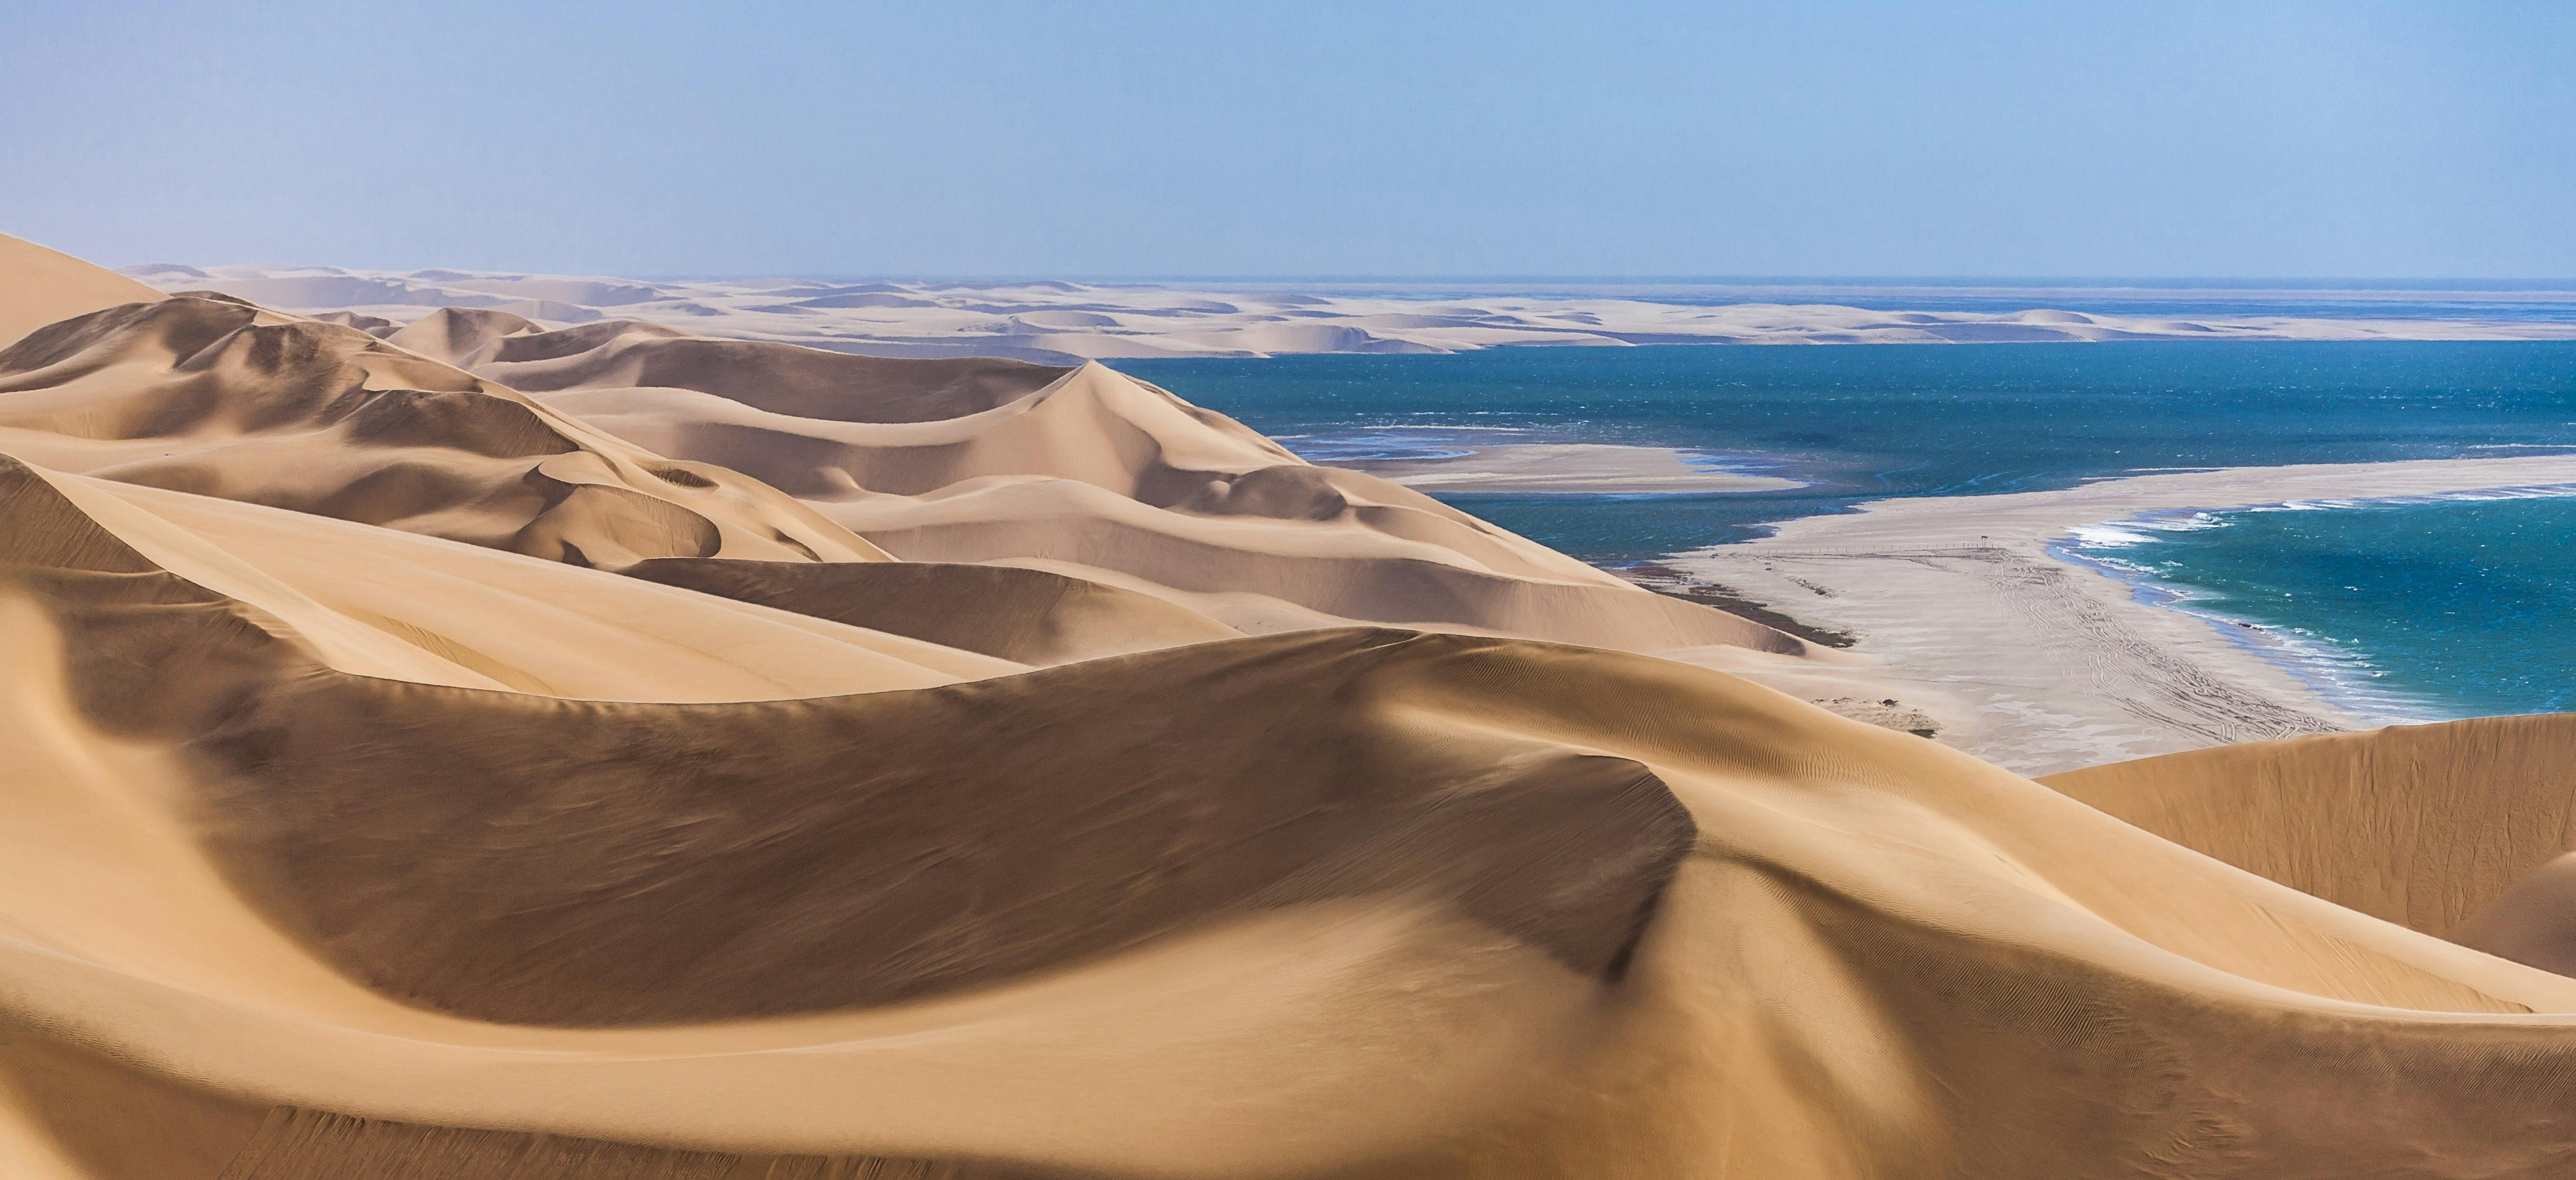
x: 1210, y: 138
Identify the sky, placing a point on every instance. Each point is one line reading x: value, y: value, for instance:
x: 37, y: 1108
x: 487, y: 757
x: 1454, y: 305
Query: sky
x: 2241, y: 139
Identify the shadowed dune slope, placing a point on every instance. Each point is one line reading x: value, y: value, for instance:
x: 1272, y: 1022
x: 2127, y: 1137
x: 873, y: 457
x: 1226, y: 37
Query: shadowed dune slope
x: 1346, y: 902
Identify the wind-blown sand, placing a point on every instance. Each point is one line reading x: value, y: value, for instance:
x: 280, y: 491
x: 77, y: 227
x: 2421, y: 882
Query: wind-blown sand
x: 492, y: 752
x: 2039, y: 664
x: 1063, y: 323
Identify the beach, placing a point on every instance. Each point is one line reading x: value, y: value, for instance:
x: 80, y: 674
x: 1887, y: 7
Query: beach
x: 2040, y: 663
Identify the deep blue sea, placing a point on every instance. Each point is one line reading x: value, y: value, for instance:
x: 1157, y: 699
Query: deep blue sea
x: 2343, y: 588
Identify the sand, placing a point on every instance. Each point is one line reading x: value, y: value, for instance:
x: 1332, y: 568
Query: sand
x: 2040, y: 664
x: 1561, y: 468
x: 1067, y: 323
x: 559, y: 802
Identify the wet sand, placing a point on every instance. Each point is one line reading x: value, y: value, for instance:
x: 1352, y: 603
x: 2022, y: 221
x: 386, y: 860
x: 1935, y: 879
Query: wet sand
x: 2042, y: 665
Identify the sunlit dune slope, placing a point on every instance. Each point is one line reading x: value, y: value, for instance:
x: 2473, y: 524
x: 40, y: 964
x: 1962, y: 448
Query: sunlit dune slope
x: 2427, y: 826
x: 40, y: 286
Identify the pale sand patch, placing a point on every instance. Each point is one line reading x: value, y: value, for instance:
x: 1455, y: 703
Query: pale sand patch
x: 2058, y: 665
x: 1589, y: 468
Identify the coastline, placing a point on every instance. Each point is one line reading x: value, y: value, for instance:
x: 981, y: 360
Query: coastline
x: 2330, y: 672
x: 2339, y: 674
x: 1977, y: 608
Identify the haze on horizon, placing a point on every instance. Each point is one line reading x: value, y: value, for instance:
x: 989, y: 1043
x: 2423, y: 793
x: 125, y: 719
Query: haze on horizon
x: 2220, y: 140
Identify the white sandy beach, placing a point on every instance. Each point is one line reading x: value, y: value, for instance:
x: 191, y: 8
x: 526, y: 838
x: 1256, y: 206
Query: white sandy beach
x: 2041, y: 665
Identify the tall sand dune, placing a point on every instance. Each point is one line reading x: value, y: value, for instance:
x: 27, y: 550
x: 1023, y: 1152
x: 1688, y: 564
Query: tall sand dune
x: 344, y: 842
x: 44, y: 286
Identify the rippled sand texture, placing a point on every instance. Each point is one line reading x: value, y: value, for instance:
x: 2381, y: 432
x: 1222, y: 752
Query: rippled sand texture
x: 524, y: 754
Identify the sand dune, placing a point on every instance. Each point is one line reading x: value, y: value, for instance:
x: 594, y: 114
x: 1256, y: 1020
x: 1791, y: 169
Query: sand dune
x: 224, y: 399
x: 1083, y: 472
x: 2424, y: 826
x: 1066, y: 323
x: 344, y: 849
x: 45, y: 286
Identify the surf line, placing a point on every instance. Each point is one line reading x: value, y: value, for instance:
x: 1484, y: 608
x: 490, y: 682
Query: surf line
x: 2341, y: 675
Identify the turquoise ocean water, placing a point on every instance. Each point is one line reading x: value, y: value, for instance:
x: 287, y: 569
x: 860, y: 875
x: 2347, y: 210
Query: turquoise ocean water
x: 2406, y: 610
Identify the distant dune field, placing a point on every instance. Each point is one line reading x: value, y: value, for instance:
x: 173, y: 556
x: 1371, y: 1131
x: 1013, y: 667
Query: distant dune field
x: 1067, y: 323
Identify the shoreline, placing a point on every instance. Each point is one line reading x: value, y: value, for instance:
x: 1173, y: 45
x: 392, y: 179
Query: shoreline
x: 2339, y: 675
x: 2041, y: 662
x: 2314, y: 664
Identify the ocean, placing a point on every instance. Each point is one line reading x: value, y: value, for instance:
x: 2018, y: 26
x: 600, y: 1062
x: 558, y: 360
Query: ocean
x: 1856, y: 423
x: 2401, y: 610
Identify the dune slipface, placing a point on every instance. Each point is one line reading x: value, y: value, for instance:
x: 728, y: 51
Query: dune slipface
x: 440, y: 840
